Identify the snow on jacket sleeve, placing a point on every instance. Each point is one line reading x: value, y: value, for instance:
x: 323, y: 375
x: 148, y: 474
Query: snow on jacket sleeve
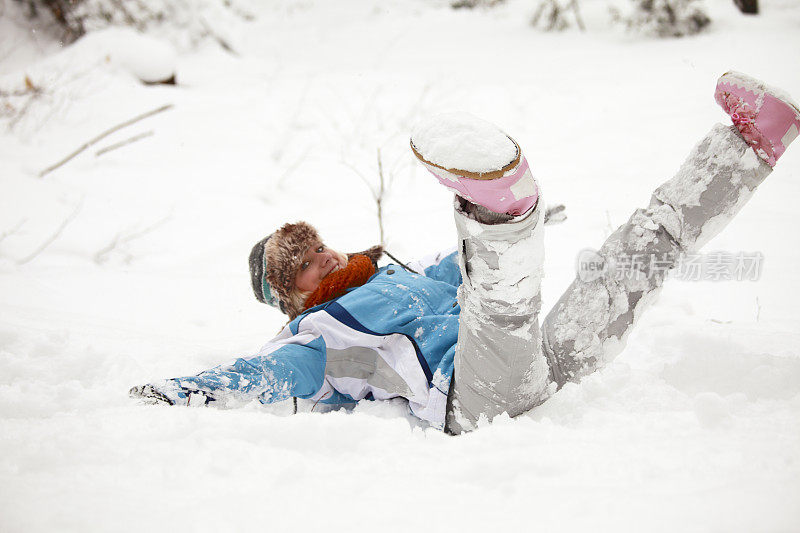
x: 289, y: 365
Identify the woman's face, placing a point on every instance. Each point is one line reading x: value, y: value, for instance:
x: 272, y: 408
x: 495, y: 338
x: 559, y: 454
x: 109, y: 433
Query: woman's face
x: 318, y: 262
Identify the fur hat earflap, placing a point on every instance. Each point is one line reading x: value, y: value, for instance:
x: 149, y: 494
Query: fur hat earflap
x: 283, y: 255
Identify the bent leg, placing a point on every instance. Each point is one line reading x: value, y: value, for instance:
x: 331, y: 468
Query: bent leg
x: 589, y: 324
x: 499, y: 366
x: 498, y: 361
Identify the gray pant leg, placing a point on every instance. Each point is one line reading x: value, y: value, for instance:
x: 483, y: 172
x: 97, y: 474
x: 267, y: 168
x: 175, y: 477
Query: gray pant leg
x: 499, y: 366
x: 589, y: 324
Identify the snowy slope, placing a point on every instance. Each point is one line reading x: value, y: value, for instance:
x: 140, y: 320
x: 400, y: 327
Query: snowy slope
x: 695, y: 427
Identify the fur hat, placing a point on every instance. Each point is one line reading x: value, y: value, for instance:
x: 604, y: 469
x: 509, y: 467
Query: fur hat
x: 275, y: 259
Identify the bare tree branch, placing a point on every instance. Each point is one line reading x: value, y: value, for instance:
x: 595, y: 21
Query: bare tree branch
x: 21, y: 113
x: 119, y: 239
x: 576, y: 8
x: 129, y: 19
x: 104, y: 135
x: 123, y: 143
x: 378, y: 192
x: 32, y: 91
x: 291, y: 168
x: 379, y: 196
x: 554, y: 11
x: 278, y: 152
x: 214, y: 35
x: 363, y: 178
x: 53, y: 237
x: 14, y: 229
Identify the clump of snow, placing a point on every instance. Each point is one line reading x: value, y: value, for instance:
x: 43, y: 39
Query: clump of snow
x: 758, y: 87
x: 149, y: 59
x: 710, y: 408
x: 463, y: 141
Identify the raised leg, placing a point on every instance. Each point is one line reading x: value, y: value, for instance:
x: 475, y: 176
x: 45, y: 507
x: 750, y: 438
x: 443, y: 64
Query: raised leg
x: 589, y: 324
x: 499, y: 366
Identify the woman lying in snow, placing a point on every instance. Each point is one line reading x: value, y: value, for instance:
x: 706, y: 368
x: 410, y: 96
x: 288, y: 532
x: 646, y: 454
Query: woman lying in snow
x: 458, y: 335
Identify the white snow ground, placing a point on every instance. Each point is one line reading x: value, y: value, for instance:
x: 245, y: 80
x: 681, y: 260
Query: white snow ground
x: 695, y: 427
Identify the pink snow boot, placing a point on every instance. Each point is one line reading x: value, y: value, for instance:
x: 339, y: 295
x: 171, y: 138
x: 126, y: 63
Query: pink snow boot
x: 477, y: 161
x: 767, y: 119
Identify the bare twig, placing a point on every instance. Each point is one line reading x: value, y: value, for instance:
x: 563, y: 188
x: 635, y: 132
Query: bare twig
x: 360, y: 175
x: 555, y: 13
x: 578, y: 18
x: 14, y: 229
x: 13, y: 122
x: 291, y: 168
x: 538, y: 14
x: 278, y: 152
x: 104, y: 135
x: 102, y: 255
x: 123, y: 143
x: 222, y: 42
x: 53, y: 237
x: 30, y: 89
x: 379, y: 196
x: 129, y: 19
x: 412, y: 110
x: 377, y: 193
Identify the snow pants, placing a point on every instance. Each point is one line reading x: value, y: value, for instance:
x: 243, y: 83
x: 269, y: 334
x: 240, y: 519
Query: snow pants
x: 503, y: 361
x: 498, y: 366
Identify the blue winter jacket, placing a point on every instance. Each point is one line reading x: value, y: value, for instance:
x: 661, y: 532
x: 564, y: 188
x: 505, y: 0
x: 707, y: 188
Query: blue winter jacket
x: 394, y: 336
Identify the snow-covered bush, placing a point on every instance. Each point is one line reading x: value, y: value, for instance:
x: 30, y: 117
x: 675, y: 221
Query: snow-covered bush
x: 60, y: 11
x: 663, y: 18
x: 557, y: 15
x: 195, y: 20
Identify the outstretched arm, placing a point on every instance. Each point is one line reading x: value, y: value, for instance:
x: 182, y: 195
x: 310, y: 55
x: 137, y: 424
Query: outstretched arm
x: 289, y: 365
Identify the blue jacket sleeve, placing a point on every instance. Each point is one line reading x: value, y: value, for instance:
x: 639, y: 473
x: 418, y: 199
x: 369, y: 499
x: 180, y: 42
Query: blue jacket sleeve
x: 278, y: 372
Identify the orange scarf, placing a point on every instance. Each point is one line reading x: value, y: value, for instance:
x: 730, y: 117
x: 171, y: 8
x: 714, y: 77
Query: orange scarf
x: 356, y: 273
